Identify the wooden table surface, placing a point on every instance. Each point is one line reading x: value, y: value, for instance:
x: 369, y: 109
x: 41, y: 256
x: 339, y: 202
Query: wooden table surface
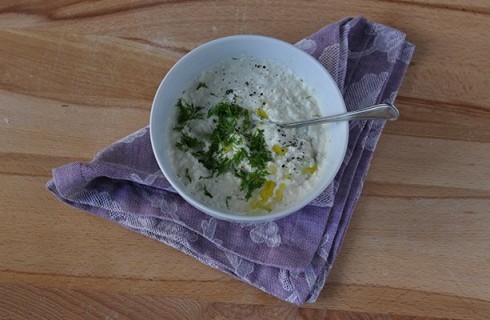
x: 78, y: 75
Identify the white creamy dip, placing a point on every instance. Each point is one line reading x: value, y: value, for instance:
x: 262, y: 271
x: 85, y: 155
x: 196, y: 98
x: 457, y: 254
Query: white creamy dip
x: 295, y: 158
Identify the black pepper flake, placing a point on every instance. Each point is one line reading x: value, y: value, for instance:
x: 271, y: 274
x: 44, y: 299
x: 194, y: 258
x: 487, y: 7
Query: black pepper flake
x: 246, y: 82
x: 261, y: 93
x: 283, y: 165
x: 263, y: 67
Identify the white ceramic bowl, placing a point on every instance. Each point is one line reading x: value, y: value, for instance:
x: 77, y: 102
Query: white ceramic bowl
x: 191, y: 66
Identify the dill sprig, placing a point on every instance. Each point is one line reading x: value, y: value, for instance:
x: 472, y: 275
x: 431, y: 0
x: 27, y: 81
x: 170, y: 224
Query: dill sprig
x: 246, y: 122
x: 201, y: 85
x: 227, y: 201
x: 187, y: 112
x: 226, y: 164
x: 251, y: 181
x: 206, y: 192
x: 187, y: 175
x: 225, y: 109
x: 259, y: 153
x: 188, y: 142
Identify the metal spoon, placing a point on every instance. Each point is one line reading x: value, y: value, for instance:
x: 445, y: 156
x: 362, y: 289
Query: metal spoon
x: 384, y: 111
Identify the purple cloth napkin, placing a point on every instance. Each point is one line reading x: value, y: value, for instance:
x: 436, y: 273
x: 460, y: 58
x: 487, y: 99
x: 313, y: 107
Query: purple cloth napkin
x: 288, y: 258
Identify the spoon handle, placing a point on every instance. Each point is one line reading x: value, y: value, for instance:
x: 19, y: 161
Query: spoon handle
x: 384, y: 111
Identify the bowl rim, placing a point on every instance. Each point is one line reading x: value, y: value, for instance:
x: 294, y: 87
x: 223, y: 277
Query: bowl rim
x: 214, y: 212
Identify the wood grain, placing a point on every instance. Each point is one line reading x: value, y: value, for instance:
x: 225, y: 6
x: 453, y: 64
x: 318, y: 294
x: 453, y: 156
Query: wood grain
x: 76, y: 304
x: 77, y: 75
x: 160, y: 24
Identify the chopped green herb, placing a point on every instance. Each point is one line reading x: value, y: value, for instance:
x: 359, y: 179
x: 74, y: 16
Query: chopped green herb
x: 198, y: 153
x: 228, y: 164
x: 188, y: 142
x: 259, y: 153
x: 187, y: 112
x: 227, y: 201
x: 187, y: 175
x: 214, y: 95
x: 229, y: 91
x: 201, y: 85
x: 246, y: 121
x: 250, y: 181
x: 225, y: 109
x: 206, y: 192
x: 224, y: 130
x: 233, y: 140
